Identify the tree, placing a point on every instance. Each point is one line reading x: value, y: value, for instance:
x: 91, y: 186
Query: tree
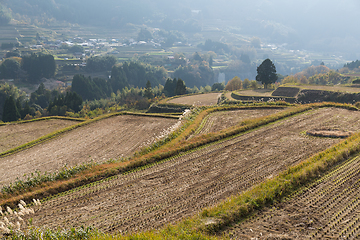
x: 180, y: 87
x: 5, y: 16
x: 234, y: 84
x: 169, y: 88
x: 144, y: 35
x: 148, y: 90
x: 11, y: 112
x: 217, y: 87
x: 38, y: 66
x: 10, y: 68
x: 266, y: 73
x: 76, y: 49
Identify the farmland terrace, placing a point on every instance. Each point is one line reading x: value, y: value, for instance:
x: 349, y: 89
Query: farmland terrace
x: 182, y: 186
x: 111, y: 138
x: 13, y: 135
x: 327, y: 209
x: 221, y: 120
x: 198, y: 100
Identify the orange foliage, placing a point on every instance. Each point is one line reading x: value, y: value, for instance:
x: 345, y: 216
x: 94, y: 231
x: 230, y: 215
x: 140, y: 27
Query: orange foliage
x: 234, y: 84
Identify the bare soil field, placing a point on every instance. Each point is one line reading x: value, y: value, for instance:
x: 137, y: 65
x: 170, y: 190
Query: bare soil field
x: 181, y: 187
x: 13, y: 135
x: 218, y: 121
x: 198, y: 100
x: 256, y: 92
x: 328, y: 209
x: 107, y: 139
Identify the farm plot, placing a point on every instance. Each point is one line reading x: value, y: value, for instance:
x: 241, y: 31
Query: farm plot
x: 198, y: 100
x: 256, y: 92
x: 100, y: 141
x: 13, y: 135
x: 224, y: 119
x: 328, y: 209
x: 182, y: 186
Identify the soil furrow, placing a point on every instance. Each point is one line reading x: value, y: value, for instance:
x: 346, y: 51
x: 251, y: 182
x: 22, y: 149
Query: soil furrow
x: 181, y: 187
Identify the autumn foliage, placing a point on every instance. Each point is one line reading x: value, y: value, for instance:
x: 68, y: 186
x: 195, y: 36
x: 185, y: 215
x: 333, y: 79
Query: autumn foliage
x: 234, y: 84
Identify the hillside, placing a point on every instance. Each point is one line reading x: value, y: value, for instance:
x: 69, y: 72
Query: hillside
x: 273, y: 21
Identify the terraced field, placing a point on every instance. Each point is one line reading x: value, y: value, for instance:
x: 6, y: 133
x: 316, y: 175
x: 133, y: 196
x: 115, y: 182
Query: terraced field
x: 107, y: 139
x: 328, y: 209
x: 13, y: 135
x: 218, y: 121
x: 181, y: 186
x: 198, y: 100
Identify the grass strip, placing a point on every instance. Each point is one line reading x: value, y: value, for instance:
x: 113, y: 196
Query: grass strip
x: 45, y: 118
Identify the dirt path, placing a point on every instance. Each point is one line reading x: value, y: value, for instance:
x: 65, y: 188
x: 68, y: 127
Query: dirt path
x: 110, y: 138
x: 224, y: 119
x: 168, y: 192
x: 329, y: 209
x: 229, y: 97
x: 14, y: 135
x: 198, y: 100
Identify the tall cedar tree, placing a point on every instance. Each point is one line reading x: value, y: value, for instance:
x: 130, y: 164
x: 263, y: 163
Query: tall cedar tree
x: 180, y: 87
x: 11, y: 113
x: 266, y: 73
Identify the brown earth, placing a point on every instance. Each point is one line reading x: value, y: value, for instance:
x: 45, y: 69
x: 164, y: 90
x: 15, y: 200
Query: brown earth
x: 107, y: 139
x: 198, y: 100
x: 218, y: 121
x: 328, y: 209
x: 180, y: 188
x: 256, y: 92
x: 13, y: 135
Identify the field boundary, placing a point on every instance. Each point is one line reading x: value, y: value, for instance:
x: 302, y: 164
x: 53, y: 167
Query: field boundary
x: 104, y: 171
x: 43, y: 119
x: 261, y: 98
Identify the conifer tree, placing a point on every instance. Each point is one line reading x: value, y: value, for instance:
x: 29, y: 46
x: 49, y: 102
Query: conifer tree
x: 11, y: 112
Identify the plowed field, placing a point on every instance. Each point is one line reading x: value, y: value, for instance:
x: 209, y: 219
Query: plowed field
x: 180, y: 187
x: 14, y: 135
x: 329, y: 209
x: 224, y: 119
x: 100, y: 141
x: 198, y: 100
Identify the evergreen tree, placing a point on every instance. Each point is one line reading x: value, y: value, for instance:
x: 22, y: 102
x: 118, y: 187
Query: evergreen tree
x: 11, y: 112
x: 169, y: 88
x: 180, y: 87
x: 26, y: 110
x: 148, y: 91
x: 266, y: 73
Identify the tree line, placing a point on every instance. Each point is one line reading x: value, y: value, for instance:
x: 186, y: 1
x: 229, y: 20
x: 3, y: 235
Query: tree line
x: 30, y: 67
